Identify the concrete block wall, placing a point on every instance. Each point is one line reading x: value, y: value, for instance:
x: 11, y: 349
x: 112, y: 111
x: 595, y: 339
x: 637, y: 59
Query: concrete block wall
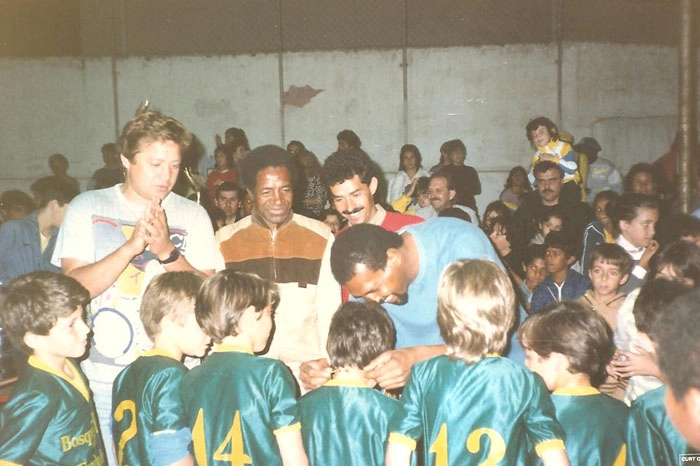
x: 624, y: 95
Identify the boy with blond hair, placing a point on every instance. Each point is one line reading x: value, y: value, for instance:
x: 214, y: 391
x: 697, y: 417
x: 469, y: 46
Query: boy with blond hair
x: 149, y: 424
x: 359, y: 332
x: 569, y: 347
x: 471, y: 405
x: 241, y: 408
x: 50, y: 417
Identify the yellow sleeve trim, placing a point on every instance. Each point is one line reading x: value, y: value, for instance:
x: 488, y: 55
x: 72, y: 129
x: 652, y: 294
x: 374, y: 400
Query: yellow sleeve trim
x: 549, y: 445
x: 283, y: 430
x: 8, y: 463
x: 402, y: 440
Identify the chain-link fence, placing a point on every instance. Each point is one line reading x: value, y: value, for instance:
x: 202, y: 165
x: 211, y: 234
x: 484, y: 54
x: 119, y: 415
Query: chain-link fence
x: 123, y: 28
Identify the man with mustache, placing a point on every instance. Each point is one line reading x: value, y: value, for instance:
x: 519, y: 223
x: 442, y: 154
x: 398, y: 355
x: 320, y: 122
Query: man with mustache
x: 401, y: 271
x: 549, y: 179
x: 348, y: 176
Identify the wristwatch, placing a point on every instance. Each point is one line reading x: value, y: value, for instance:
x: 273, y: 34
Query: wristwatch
x: 174, y: 255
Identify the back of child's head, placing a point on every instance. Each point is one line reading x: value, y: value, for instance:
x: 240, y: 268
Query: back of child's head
x: 678, y: 261
x: 677, y: 336
x: 613, y: 254
x: 359, y: 332
x: 561, y: 240
x: 533, y: 252
x: 34, y: 302
x: 569, y: 328
x: 652, y: 301
x: 224, y: 297
x: 169, y: 294
x: 476, y: 309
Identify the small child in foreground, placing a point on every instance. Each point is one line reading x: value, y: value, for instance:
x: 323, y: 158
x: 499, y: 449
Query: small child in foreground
x: 149, y: 424
x: 359, y: 332
x: 471, y: 405
x: 569, y: 347
x: 50, y: 417
x: 242, y: 408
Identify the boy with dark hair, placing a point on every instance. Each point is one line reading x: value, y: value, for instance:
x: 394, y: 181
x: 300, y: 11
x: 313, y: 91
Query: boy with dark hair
x: 535, y: 271
x: 677, y: 334
x: 347, y: 139
x: 359, y: 332
x: 50, y: 417
x: 149, y: 424
x: 609, y: 270
x: 471, y: 392
x: 236, y: 402
x: 27, y: 244
x: 569, y: 347
x: 561, y: 282
x: 651, y: 437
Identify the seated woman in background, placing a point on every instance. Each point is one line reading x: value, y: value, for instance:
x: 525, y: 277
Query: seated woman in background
x: 410, y: 169
x: 516, y: 188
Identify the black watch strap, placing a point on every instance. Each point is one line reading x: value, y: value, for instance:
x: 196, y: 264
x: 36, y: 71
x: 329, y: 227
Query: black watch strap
x: 174, y: 255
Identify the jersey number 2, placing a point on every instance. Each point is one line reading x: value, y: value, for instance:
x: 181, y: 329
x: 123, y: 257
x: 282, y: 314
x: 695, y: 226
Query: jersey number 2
x: 496, y: 453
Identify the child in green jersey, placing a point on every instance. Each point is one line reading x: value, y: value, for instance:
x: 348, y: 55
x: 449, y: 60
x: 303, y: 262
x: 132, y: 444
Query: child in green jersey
x: 50, y: 417
x: 149, y: 424
x: 242, y: 408
x: 345, y: 421
x: 472, y: 406
x: 569, y: 346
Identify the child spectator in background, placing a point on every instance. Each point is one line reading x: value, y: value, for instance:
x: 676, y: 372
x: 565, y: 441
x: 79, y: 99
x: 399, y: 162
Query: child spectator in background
x: 495, y: 210
x: 651, y: 438
x: 236, y: 402
x: 610, y: 269
x: 359, y: 332
x: 333, y: 219
x: 453, y: 401
x: 678, y: 262
x: 149, y: 423
x: 569, y: 346
x: 511, y: 258
x: 601, y: 230
x: 561, y: 282
x: 678, y: 338
x: 516, y: 188
x: 535, y: 272
x: 50, y: 417
x: 638, y: 358
x: 224, y: 170
x: 552, y: 220
x: 416, y: 200
x: 544, y: 138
